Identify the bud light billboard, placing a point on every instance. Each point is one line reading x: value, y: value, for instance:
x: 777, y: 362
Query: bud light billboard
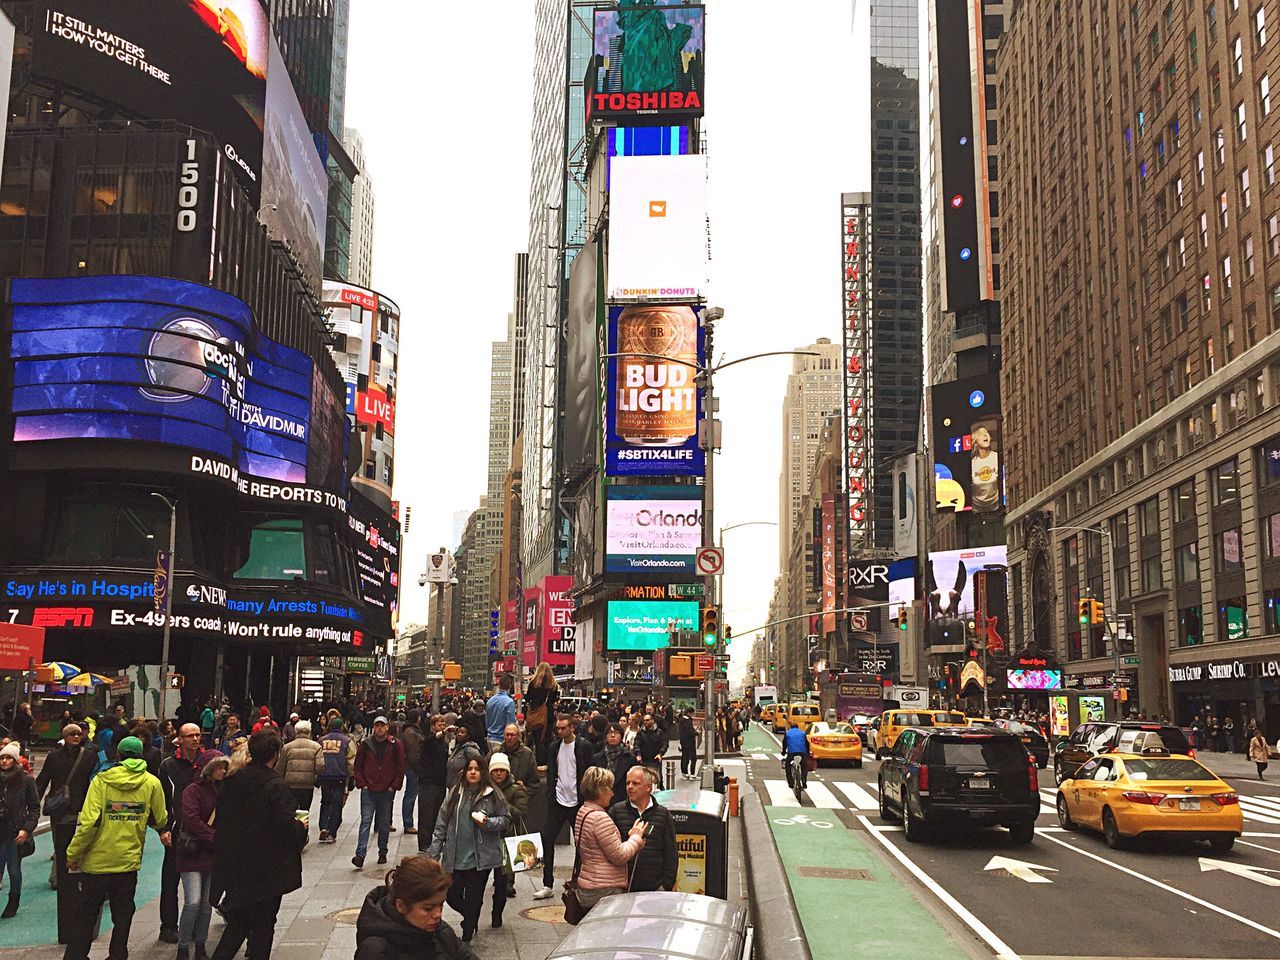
x: 653, y: 397
x: 162, y: 361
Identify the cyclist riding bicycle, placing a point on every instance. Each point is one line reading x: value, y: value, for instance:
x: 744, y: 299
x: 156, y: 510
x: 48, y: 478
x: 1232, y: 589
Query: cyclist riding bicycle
x: 795, y: 742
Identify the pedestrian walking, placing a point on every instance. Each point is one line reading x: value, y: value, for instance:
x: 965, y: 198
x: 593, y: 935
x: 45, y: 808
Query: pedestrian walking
x: 651, y: 744
x: 566, y: 766
x: 517, y: 798
x: 19, y: 813
x: 301, y: 760
x: 468, y: 840
x: 65, y: 775
x: 194, y: 845
x: 477, y: 729
x: 433, y: 775
x: 464, y: 749
x: 1229, y: 733
x: 602, y: 855
x: 524, y: 765
x: 540, y: 699
x: 335, y: 778
x: 106, y: 852
x: 617, y: 760
x: 499, y: 710
x: 402, y: 919
x: 654, y: 867
x: 379, y: 773
x: 411, y: 738
x: 231, y: 734
x: 264, y: 721
x: 688, y: 745
x: 257, y: 850
x: 208, y: 720
x: 23, y: 721
x: 1259, y: 752
x: 176, y: 773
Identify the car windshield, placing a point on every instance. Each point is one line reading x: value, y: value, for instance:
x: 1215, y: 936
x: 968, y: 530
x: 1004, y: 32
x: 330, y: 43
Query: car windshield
x: 819, y: 728
x: 1013, y: 726
x: 913, y: 720
x: 950, y: 718
x: 1166, y: 769
x: 841, y: 728
x: 981, y: 752
x: 806, y: 711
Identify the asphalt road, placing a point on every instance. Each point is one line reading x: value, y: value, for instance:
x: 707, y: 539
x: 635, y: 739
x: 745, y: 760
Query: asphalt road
x: 1160, y: 900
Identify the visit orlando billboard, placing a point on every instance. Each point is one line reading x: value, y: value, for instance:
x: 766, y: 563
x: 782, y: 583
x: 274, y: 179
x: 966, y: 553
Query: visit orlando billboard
x: 163, y: 361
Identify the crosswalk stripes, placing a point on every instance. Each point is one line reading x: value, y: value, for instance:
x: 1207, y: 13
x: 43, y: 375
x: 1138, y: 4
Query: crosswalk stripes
x: 822, y: 797
x: 780, y: 795
x: 860, y: 798
x: 1271, y: 801
x: 1253, y: 810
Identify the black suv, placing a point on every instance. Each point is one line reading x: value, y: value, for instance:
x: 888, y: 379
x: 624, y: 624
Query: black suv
x: 1123, y: 736
x: 976, y: 777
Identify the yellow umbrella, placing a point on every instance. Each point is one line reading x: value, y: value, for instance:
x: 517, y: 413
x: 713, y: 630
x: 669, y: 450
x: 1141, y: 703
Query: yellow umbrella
x: 87, y: 680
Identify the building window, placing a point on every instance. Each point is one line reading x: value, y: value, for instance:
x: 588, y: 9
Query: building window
x: 1271, y: 536
x: 1226, y: 278
x: 1074, y: 651
x: 1237, y: 57
x: 1248, y: 259
x: 1190, y: 626
x: 1149, y: 517
x: 1200, y: 167
x: 1259, y: 28
x: 1264, y: 95
x: 1273, y: 236
x: 276, y: 551
x: 1242, y: 128
x: 1184, y: 501
x: 1227, y: 551
x: 1245, y: 198
x: 1186, y: 564
x: 1271, y: 611
x: 1226, y: 483
x: 98, y: 527
x: 1224, y: 218
x: 1233, y: 621
x: 1269, y: 462
x: 1204, y: 231
x: 1219, y: 148
x: 1152, y: 575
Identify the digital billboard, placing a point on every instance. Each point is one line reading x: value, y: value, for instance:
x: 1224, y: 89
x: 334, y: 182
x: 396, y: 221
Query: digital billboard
x: 200, y: 62
x: 652, y: 404
x: 652, y: 529
x: 657, y: 227
x: 584, y: 345
x: 647, y: 624
x: 648, y: 63
x: 295, y: 187
x: 968, y: 472
x: 558, y: 628
x: 949, y: 579
x: 902, y: 585
x: 376, y: 541
x: 1034, y: 679
x: 162, y: 361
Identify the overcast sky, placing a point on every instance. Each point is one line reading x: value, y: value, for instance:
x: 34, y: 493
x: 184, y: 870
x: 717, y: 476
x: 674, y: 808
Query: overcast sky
x: 444, y: 113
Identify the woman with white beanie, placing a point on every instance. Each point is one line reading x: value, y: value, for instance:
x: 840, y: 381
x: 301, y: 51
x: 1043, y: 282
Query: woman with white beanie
x: 504, y: 880
x: 19, y: 811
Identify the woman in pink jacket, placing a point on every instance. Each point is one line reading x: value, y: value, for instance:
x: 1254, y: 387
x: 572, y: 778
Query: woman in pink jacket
x: 604, y: 854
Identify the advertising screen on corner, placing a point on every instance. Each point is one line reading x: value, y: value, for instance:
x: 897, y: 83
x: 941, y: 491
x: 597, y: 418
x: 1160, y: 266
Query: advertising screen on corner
x: 162, y: 361
x: 646, y: 624
x: 652, y: 529
x: 202, y: 62
x: 1034, y: 679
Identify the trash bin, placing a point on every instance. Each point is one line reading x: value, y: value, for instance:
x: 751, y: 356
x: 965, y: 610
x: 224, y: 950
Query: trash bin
x: 659, y: 925
x: 701, y: 821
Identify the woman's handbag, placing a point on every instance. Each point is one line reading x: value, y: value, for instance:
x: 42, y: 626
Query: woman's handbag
x: 27, y: 847
x: 188, y: 845
x: 574, y: 911
x: 59, y: 801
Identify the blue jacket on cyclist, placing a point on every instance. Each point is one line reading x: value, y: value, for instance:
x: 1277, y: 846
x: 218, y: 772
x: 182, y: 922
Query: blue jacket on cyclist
x: 795, y: 741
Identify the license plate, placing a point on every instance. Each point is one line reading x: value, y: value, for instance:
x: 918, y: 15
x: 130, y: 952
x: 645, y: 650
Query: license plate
x: 1188, y: 804
x: 978, y: 784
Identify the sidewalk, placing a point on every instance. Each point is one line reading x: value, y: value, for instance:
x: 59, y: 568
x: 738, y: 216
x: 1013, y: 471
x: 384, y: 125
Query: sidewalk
x: 316, y: 922
x: 1237, y: 766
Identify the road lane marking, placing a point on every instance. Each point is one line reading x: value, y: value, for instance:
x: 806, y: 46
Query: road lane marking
x: 1002, y: 949
x: 1268, y: 801
x: 822, y: 797
x: 1249, y: 833
x: 1261, y: 813
x: 780, y: 795
x: 1164, y: 886
x: 1257, y: 846
x: 1020, y: 869
x: 759, y: 756
x: 860, y: 798
x: 1256, y: 874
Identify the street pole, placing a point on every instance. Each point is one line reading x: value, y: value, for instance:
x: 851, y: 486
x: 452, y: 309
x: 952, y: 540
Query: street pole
x: 708, y: 528
x: 168, y: 606
x: 1109, y: 595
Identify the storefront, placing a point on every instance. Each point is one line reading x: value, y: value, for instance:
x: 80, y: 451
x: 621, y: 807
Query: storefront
x: 1247, y: 690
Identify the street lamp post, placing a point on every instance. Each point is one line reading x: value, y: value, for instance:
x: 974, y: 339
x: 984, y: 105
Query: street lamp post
x: 168, y: 605
x: 1109, y: 597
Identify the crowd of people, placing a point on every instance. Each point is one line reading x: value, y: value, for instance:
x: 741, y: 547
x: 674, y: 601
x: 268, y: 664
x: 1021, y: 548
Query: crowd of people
x: 229, y: 798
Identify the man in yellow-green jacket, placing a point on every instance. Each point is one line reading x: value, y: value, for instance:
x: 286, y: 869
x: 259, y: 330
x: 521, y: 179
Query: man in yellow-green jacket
x: 106, y: 851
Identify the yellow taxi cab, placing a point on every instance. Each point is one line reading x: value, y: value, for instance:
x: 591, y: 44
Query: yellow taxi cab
x: 949, y: 718
x: 978, y: 721
x: 893, y: 722
x: 780, y: 717
x: 803, y: 713
x: 766, y: 713
x: 835, y: 741
x: 1128, y: 795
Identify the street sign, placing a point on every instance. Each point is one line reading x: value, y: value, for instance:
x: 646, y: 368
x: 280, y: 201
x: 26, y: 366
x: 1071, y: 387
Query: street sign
x: 720, y: 675
x: 705, y: 663
x: 1122, y: 679
x: 723, y: 657
x: 710, y: 562
x: 1132, y: 661
x: 686, y: 590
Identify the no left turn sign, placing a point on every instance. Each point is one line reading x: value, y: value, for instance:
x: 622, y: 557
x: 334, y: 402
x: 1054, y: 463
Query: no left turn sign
x: 710, y: 562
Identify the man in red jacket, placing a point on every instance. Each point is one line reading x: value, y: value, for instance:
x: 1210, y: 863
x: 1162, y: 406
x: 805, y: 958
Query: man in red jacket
x: 379, y: 774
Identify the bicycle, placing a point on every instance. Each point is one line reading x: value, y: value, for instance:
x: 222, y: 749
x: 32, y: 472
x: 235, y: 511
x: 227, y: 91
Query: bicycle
x: 796, y: 773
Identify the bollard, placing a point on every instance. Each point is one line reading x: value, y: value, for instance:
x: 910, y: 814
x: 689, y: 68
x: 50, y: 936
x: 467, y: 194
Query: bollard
x: 733, y: 796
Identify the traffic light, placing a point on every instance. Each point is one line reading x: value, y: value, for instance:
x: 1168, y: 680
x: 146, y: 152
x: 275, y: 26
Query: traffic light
x: 902, y: 622
x: 710, y: 626
x: 1085, y: 609
x: 1096, y: 613
x: 728, y: 634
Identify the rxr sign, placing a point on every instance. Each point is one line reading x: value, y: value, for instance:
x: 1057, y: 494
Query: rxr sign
x: 868, y: 576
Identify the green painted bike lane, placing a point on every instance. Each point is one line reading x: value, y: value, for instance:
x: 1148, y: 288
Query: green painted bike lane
x: 890, y: 920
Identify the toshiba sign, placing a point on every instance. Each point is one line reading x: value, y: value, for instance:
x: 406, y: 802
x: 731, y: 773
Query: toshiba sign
x: 647, y: 66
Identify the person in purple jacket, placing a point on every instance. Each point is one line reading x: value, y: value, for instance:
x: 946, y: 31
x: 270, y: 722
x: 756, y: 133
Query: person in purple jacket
x: 195, y: 868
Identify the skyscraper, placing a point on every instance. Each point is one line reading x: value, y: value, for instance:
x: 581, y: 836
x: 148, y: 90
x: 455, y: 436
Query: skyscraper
x: 362, y: 209
x: 895, y: 248
x: 557, y: 221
